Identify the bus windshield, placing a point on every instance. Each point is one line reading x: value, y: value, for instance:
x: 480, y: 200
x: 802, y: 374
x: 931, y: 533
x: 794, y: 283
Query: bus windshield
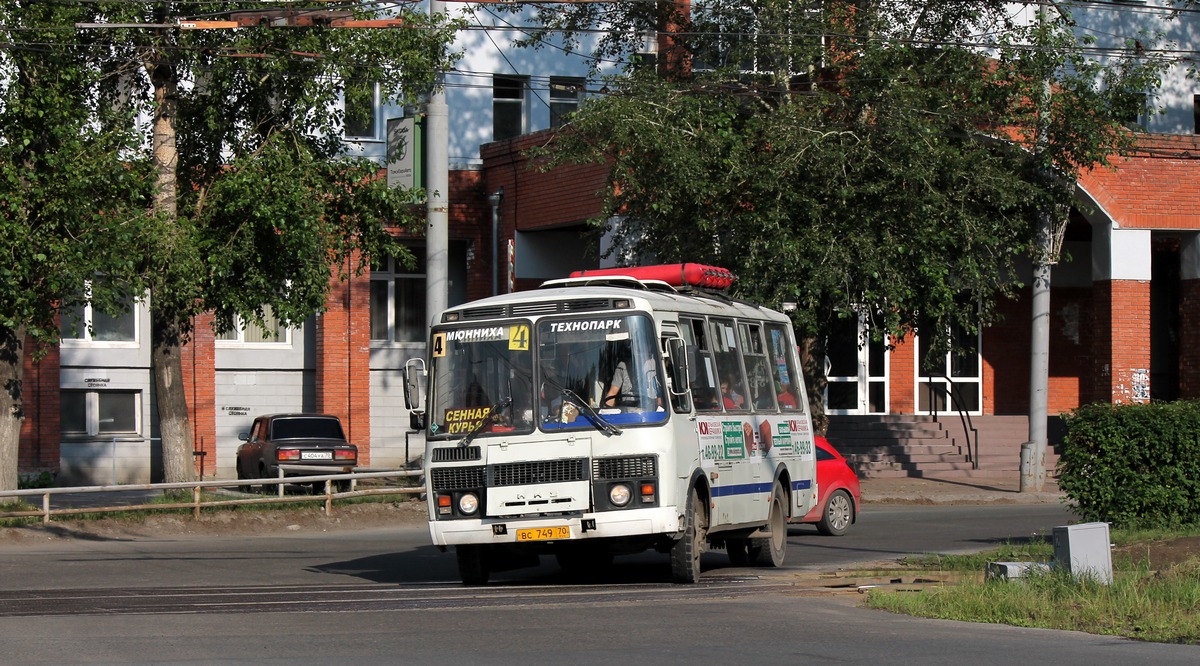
x: 598, y: 371
x: 482, y: 381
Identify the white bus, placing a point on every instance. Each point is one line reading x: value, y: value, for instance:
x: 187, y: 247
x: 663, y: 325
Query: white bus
x: 613, y: 412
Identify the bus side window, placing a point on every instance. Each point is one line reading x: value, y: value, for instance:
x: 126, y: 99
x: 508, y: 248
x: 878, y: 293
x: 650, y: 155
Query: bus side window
x: 700, y: 363
x: 729, y: 365
x: 786, y: 377
x: 761, y: 384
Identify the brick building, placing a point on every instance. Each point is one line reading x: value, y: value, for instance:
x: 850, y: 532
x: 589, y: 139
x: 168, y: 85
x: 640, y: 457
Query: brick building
x: 1124, y: 303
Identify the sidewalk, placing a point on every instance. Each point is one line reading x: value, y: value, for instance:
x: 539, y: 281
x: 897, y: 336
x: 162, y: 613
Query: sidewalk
x: 956, y: 490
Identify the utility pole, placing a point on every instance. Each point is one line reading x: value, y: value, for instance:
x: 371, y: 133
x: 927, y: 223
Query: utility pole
x: 437, y: 180
x: 1033, y: 452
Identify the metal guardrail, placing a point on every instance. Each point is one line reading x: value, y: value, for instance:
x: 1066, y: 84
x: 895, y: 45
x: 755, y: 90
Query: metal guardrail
x: 46, y: 512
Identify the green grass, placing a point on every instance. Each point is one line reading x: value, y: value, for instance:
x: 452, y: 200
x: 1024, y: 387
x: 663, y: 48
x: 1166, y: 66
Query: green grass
x: 1159, y: 606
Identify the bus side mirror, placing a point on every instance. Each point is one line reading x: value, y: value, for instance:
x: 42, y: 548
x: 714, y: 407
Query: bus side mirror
x: 414, y: 392
x: 678, y: 366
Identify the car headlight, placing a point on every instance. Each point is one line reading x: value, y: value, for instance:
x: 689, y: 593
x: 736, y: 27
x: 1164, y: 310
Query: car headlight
x: 619, y: 494
x: 468, y: 503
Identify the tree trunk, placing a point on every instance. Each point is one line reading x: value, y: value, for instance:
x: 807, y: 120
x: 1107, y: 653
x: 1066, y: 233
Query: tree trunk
x: 12, y: 371
x: 812, y: 362
x: 173, y: 422
x: 167, y: 334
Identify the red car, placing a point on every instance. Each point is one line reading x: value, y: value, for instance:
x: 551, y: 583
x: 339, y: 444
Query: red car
x: 837, y: 506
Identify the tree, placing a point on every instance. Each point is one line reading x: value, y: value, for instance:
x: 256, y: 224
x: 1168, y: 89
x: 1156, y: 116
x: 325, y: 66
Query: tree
x: 73, y: 197
x: 252, y: 200
x: 883, y: 160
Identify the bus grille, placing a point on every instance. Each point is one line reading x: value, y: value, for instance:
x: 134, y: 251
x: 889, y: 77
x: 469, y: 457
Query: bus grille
x: 456, y: 454
x: 545, y: 471
x: 456, y: 478
x: 526, y: 309
x: 631, y: 467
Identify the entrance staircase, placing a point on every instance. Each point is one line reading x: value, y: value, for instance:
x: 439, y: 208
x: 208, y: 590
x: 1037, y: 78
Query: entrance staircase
x: 928, y: 447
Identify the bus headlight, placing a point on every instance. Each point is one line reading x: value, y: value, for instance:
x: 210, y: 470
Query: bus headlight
x: 468, y: 504
x: 619, y: 494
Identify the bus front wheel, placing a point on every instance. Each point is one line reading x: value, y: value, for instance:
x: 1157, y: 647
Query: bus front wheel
x: 685, y: 554
x: 472, y: 565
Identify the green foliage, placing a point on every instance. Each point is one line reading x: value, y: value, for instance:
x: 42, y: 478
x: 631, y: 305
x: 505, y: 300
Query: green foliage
x: 852, y: 160
x: 1133, y: 465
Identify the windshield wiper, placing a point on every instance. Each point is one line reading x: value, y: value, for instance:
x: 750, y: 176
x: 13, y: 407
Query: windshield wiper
x: 599, y: 421
x: 493, y: 411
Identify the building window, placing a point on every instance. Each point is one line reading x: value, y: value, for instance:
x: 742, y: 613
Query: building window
x: 952, y: 382
x: 250, y: 333
x: 84, y: 323
x: 398, y: 300
x: 100, y: 413
x: 1195, y: 114
x: 566, y: 92
x: 1131, y: 109
x: 508, y: 106
x: 362, y: 109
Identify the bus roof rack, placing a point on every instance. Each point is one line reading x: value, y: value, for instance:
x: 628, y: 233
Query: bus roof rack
x: 694, y: 276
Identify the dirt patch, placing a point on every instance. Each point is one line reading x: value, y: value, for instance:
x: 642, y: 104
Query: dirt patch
x: 227, y: 523
x: 1159, y: 555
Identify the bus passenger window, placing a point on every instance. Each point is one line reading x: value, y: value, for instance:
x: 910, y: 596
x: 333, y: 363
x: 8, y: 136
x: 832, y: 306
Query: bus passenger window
x: 783, y: 359
x: 761, y: 383
x: 729, y: 366
x: 703, y: 368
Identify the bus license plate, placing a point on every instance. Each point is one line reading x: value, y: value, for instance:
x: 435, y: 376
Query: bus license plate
x: 544, y: 533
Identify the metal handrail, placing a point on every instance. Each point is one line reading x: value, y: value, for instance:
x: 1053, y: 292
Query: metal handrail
x: 46, y: 512
x: 964, y: 416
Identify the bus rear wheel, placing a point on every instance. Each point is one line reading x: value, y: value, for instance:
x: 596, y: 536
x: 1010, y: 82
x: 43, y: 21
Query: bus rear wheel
x: 472, y: 565
x: 685, y: 554
x: 770, y: 550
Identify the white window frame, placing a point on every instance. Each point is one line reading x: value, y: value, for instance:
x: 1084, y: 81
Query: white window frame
x: 863, y: 379
x: 977, y: 379
x: 85, y: 329
x: 375, y: 112
x: 239, y: 339
x: 521, y: 102
x: 389, y: 274
x: 565, y: 91
x: 92, y: 415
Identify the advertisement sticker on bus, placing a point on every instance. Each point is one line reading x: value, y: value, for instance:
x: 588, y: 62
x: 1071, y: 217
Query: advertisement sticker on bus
x: 465, y: 420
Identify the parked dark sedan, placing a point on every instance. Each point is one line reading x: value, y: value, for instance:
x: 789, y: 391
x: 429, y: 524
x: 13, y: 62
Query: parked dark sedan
x: 297, y: 439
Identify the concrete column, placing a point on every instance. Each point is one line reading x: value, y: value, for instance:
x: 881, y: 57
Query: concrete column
x: 1121, y: 295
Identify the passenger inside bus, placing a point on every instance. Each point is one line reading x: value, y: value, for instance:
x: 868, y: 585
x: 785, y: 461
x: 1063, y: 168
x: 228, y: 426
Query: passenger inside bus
x: 730, y: 398
x: 643, y: 395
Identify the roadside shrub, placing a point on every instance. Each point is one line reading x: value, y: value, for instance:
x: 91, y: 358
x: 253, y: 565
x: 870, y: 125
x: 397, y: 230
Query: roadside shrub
x: 1133, y: 465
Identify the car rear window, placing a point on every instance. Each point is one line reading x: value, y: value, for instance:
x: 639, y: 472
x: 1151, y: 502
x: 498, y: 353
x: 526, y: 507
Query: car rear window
x: 299, y: 428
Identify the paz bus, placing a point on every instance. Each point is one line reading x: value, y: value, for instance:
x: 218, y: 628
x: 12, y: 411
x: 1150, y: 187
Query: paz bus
x: 609, y: 413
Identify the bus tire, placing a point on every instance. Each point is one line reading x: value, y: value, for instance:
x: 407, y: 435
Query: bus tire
x: 472, y: 565
x: 770, y: 550
x: 685, y: 554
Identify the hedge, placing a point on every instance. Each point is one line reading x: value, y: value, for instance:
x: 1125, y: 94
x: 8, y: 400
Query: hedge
x: 1133, y: 465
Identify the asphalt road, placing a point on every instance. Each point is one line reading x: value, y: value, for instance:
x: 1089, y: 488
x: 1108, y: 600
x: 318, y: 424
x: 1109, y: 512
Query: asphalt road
x: 386, y: 596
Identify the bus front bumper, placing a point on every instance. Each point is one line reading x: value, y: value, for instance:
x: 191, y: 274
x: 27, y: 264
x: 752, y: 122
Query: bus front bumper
x: 613, y: 524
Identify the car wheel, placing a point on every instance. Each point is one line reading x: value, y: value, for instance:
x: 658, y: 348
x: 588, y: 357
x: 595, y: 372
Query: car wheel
x: 685, y: 554
x: 770, y: 550
x: 838, y: 514
x: 472, y: 565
